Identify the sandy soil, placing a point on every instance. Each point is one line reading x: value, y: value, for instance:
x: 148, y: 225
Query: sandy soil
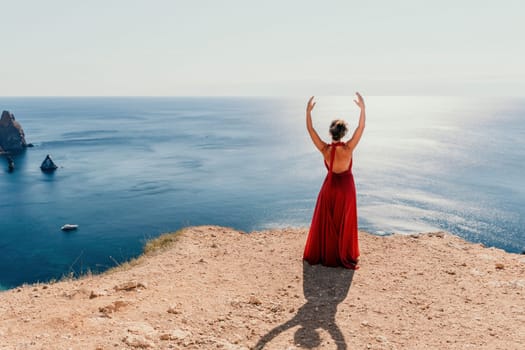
x: 216, y: 288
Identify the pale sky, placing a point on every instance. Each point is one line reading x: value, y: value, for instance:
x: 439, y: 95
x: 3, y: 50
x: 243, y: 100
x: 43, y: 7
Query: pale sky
x: 261, y: 48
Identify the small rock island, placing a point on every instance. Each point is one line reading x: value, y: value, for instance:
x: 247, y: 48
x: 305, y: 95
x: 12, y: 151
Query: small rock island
x: 48, y: 165
x: 12, y: 138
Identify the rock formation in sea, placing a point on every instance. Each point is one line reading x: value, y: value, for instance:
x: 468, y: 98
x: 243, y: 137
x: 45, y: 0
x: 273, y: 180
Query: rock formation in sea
x: 12, y: 138
x: 10, y: 164
x: 48, y: 165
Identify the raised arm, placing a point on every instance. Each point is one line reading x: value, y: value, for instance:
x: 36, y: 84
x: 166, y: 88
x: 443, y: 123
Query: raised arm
x: 320, y: 144
x: 352, y: 143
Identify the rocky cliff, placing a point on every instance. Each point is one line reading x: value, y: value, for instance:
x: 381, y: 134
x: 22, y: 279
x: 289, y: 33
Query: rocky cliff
x: 216, y: 288
x: 12, y: 138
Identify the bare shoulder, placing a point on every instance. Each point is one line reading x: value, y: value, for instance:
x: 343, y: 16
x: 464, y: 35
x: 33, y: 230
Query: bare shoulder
x: 326, y: 150
x: 347, y: 148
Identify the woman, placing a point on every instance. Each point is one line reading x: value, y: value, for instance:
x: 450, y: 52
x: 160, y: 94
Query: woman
x: 332, y: 240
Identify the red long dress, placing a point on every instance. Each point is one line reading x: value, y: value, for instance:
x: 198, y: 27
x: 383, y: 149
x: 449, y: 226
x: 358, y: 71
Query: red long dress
x: 333, y: 237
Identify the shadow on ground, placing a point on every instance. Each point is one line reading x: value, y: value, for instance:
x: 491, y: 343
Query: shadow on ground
x: 324, y: 288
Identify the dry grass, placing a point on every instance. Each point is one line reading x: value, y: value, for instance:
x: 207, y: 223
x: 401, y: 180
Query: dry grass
x: 161, y: 243
x: 151, y: 247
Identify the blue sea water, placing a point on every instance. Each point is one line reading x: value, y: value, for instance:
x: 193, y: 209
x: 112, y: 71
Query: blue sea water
x: 133, y: 168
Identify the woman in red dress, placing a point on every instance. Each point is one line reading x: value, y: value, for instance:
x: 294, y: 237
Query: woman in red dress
x: 332, y: 240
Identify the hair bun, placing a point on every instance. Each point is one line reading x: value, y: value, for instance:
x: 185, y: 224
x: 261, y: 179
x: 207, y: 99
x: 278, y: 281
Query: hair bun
x: 338, y: 129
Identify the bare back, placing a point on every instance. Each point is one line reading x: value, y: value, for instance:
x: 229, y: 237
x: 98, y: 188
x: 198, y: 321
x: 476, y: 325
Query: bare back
x: 343, y: 156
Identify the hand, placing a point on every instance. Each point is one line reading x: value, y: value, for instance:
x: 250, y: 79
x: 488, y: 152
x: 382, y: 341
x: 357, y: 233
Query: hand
x: 310, y: 105
x: 360, y: 102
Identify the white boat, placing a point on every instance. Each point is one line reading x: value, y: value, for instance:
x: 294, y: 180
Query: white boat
x: 69, y: 227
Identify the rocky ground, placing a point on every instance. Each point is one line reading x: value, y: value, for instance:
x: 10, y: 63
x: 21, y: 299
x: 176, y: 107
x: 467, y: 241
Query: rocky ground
x: 216, y: 288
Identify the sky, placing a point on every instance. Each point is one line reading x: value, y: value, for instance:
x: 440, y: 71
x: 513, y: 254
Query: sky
x: 261, y: 48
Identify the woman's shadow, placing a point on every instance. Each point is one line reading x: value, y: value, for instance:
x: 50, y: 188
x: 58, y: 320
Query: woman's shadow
x: 324, y: 288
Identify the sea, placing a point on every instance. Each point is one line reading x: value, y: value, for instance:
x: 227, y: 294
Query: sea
x: 132, y: 168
